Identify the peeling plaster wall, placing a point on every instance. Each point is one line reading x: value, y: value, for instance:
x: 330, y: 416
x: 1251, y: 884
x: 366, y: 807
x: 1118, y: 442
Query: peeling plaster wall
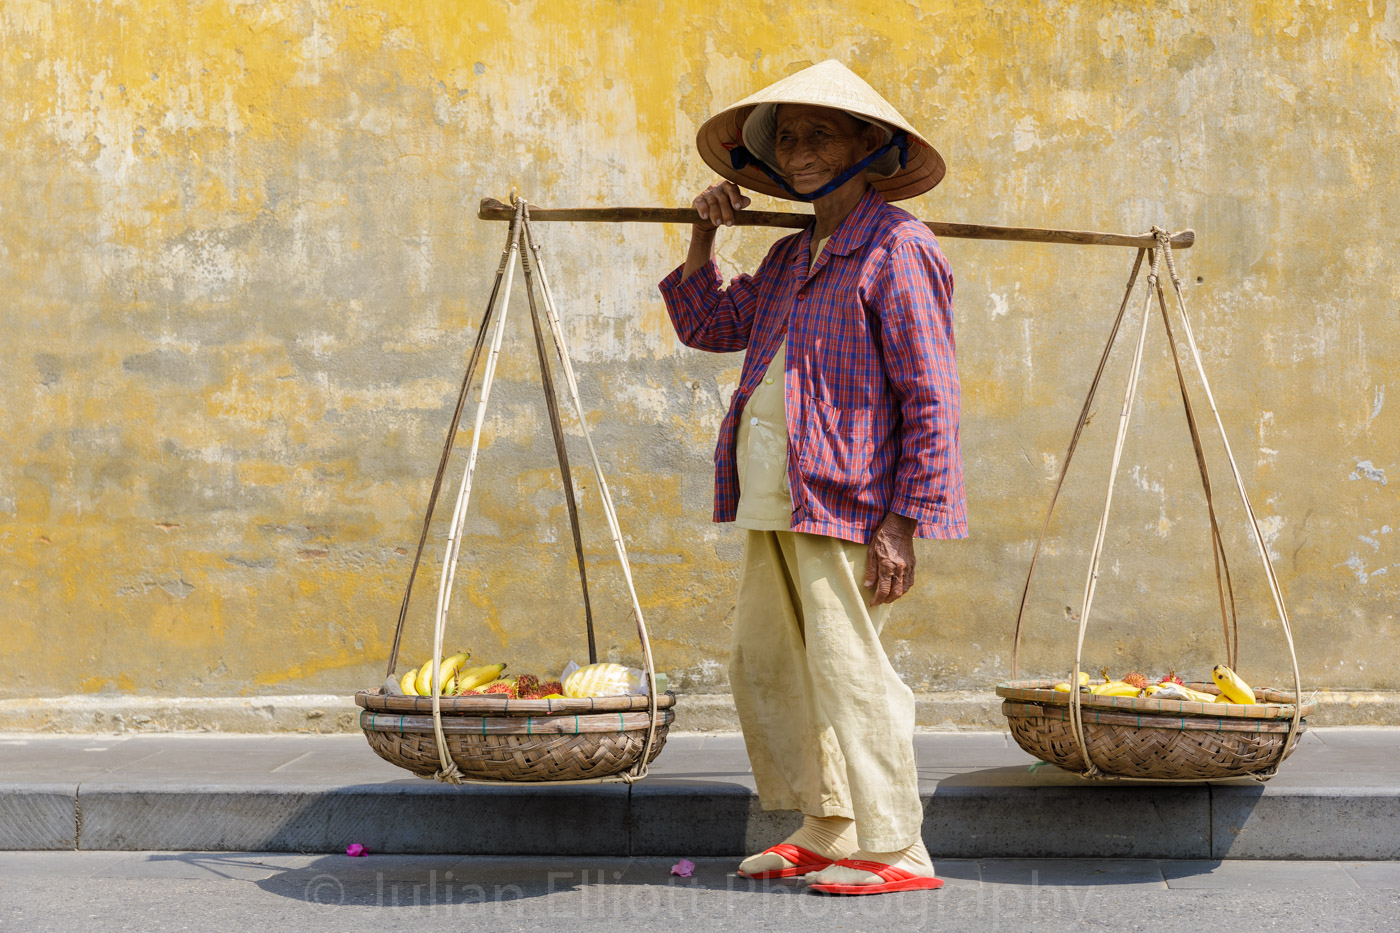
x: 240, y: 272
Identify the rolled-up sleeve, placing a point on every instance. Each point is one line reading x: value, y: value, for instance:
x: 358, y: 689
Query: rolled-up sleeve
x: 914, y: 298
x: 708, y: 316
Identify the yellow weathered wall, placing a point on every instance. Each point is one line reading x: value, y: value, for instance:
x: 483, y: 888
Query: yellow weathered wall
x: 239, y: 271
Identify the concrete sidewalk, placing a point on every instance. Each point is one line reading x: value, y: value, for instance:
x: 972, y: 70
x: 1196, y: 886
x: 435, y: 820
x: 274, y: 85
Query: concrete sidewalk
x: 1337, y: 797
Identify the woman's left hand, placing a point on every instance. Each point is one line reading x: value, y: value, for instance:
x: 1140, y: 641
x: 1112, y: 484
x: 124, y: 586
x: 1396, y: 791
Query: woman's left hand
x: 889, y: 563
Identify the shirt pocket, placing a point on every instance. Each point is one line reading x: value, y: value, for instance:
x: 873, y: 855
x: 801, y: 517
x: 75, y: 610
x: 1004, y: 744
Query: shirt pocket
x: 837, y: 447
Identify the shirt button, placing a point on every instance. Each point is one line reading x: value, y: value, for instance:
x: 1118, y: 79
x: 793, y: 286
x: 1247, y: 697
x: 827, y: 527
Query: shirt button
x: 753, y: 421
x: 768, y: 381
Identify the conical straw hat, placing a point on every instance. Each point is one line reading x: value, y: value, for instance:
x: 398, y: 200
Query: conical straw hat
x: 750, y: 123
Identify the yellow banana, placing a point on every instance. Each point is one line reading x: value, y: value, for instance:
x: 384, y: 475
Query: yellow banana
x: 1063, y: 686
x: 1115, y: 688
x: 424, y: 683
x: 452, y: 668
x: 1231, y: 685
x: 474, y: 677
x: 406, y: 683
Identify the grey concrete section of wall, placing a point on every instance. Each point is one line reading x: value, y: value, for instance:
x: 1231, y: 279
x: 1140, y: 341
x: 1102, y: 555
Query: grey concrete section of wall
x: 705, y: 794
x: 949, y: 710
x: 1300, y: 807
x: 1281, y: 822
x: 38, y: 816
x: 703, y: 819
x: 397, y: 817
x: 980, y: 814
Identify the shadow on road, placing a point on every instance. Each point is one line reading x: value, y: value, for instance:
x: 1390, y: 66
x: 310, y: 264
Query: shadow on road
x: 419, y: 881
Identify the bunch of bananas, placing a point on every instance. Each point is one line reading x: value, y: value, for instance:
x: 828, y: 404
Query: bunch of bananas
x: 1232, y: 687
x: 454, y: 677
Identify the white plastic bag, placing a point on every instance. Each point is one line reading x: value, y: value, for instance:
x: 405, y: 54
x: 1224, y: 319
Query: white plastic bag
x: 622, y: 681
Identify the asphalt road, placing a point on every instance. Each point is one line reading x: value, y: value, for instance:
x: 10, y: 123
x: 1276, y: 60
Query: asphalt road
x: 97, y: 892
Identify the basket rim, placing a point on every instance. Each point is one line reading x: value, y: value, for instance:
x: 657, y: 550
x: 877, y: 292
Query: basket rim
x: 1280, y: 705
x: 497, y: 704
x: 1027, y: 711
x: 549, y: 726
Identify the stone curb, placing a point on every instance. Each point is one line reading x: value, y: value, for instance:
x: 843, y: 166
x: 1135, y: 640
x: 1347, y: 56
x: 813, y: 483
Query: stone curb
x: 696, y: 818
x: 1337, y: 797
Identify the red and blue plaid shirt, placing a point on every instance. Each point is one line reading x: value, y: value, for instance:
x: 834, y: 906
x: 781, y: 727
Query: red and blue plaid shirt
x: 871, y: 384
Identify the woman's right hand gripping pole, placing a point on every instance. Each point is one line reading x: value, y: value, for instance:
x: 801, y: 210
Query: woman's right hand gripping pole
x: 715, y: 206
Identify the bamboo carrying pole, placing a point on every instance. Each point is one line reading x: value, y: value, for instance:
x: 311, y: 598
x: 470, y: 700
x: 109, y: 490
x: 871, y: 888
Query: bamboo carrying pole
x: 492, y: 209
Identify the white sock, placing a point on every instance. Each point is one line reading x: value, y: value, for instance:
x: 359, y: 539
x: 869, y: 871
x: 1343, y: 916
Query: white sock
x: 912, y: 858
x: 831, y: 836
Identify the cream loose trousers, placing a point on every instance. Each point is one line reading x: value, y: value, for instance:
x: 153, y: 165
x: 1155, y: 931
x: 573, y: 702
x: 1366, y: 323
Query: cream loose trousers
x: 828, y: 724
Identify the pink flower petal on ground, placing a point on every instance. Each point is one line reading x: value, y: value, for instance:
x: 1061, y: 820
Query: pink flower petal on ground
x: 354, y: 850
x: 685, y: 867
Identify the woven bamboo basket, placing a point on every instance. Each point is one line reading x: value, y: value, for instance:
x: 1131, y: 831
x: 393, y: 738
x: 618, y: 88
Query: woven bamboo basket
x: 1143, y: 738
x: 1153, y: 739
x: 493, y: 738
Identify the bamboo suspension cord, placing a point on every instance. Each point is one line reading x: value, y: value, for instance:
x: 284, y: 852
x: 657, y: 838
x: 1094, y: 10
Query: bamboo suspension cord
x: 447, y: 447
x: 1090, y: 582
x: 1161, y: 255
x: 561, y: 450
x: 492, y: 209
x: 1223, y: 584
x: 449, y: 771
x: 639, y: 770
x: 520, y: 241
x: 1069, y: 456
x: 1274, y: 589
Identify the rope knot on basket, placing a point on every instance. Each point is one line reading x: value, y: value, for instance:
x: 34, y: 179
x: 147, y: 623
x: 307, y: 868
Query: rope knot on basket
x: 1164, y: 246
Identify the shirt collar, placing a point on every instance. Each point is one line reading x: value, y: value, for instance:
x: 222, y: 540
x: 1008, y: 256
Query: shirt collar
x: 857, y: 226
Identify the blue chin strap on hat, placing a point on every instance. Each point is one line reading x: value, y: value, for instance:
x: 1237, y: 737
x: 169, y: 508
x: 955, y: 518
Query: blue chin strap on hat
x: 741, y: 158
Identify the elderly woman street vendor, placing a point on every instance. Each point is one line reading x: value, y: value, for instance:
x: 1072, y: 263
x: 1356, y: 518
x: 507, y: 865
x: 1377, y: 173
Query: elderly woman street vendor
x: 839, y: 448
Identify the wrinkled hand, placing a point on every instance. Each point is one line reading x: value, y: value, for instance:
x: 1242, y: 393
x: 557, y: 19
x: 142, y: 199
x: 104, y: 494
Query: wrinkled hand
x: 889, y: 562
x: 716, y: 205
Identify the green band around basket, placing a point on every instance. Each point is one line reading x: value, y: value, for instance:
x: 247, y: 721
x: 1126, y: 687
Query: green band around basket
x: 1125, y: 717
x: 1273, y: 705
x: 403, y: 724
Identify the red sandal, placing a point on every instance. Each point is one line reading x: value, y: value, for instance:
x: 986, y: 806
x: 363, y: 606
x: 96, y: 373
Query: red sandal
x: 896, y: 879
x: 804, y: 861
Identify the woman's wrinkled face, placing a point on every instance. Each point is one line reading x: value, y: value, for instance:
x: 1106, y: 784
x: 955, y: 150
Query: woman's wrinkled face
x: 814, y: 145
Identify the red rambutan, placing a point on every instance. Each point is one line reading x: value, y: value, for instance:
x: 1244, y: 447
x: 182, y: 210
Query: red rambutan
x: 525, y: 685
